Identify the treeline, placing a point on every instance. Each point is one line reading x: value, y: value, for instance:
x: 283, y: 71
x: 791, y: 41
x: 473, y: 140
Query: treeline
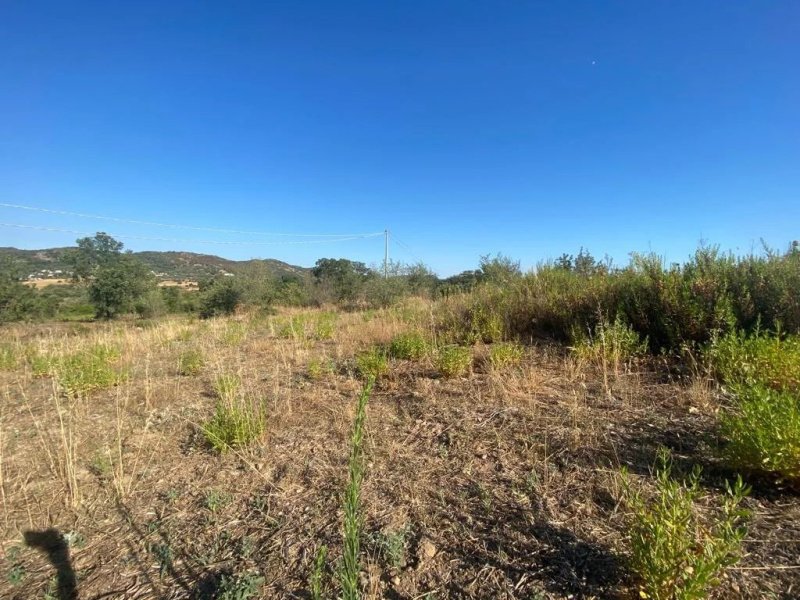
x: 669, y: 305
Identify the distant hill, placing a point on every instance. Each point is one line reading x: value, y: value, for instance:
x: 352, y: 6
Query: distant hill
x: 181, y: 266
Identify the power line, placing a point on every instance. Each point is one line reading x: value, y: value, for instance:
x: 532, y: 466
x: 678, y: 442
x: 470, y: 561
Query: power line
x: 187, y: 241
x: 408, y: 249
x: 175, y: 226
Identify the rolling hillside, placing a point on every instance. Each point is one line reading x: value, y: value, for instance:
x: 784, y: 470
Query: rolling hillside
x: 52, y: 263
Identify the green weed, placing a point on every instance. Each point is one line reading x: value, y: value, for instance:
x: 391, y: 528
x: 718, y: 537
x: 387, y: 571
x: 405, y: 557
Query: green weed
x: 758, y: 359
x: 409, y: 346
x: 762, y: 429
x: 612, y: 345
x: 372, y: 363
x: 317, y: 572
x: 453, y: 361
x: 190, y: 362
x: 226, y: 386
x: 674, y: 554
x: 236, y: 423
x: 238, y: 587
x: 504, y: 355
x: 353, y: 518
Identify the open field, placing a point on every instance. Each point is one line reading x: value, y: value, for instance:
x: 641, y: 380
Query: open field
x: 501, y: 482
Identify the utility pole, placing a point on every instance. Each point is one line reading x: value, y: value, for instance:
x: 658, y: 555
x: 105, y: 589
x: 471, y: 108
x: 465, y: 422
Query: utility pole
x: 386, y: 254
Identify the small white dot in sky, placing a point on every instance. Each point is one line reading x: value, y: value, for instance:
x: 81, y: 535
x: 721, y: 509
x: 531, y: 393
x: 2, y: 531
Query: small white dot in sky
x: 594, y: 62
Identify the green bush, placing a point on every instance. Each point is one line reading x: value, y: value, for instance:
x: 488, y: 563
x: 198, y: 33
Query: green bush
x: 613, y: 344
x: 674, y: 554
x: 453, y: 361
x: 372, y: 363
x: 325, y: 326
x: 235, y: 423
x: 505, y: 355
x: 318, y: 368
x: 409, y: 346
x: 82, y: 372
x: 762, y: 430
x: 190, y: 362
x: 760, y: 358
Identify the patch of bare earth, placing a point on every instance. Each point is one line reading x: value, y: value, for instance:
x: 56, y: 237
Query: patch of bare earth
x: 499, y: 485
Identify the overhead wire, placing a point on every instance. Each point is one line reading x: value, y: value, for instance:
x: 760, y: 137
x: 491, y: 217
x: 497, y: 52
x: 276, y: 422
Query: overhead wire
x: 190, y: 241
x: 69, y: 213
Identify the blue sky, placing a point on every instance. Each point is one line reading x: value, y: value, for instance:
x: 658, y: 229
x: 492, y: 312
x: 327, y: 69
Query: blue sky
x: 466, y: 128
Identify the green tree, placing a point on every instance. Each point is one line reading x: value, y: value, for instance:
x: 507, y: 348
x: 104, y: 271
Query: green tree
x: 116, y: 280
x: 340, y: 279
x: 499, y: 269
x: 17, y: 301
x: 219, y: 296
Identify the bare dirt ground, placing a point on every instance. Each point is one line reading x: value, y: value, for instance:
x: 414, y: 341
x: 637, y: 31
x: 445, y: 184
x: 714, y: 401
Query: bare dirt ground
x: 502, y: 484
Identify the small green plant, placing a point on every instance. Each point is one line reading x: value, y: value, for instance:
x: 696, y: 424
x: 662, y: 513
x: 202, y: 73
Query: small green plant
x: 317, y: 572
x: 392, y: 546
x: 373, y: 363
x: 325, y: 326
x: 226, y: 386
x: 164, y: 554
x: 8, y: 358
x: 504, y: 355
x: 88, y: 370
x: 763, y: 431
x: 453, y: 361
x: 612, y: 345
x: 409, y: 346
x: 318, y: 368
x: 215, y: 500
x: 674, y: 555
x: 353, y: 518
x: 236, y: 423
x: 16, y: 575
x: 190, y: 362
x: 234, y: 334
x: 238, y: 587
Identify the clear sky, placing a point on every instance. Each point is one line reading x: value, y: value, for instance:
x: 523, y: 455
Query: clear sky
x: 466, y: 128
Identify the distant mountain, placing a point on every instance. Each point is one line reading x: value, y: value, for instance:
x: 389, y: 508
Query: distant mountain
x: 181, y: 266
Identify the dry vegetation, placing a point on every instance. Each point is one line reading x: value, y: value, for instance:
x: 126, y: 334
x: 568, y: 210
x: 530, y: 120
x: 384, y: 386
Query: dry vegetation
x: 501, y: 480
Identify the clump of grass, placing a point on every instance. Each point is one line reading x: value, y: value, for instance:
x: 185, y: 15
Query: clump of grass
x: 674, y: 554
x: 236, y: 423
x: 325, y: 326
x: 409, y: 346
x: 611, y: 345
x: 88, y: 370
x: 318, y: 368
x: 234, y: 334
x: 226, y: 386
x: 758, y: 359
x: 315, y: 582
x: 9, y: 357
x: 353, y: 518
x: 504, y: 355
x: 453, y: 361
x: 372, y: 363
x: 763, y: 431
x: 190, y: 362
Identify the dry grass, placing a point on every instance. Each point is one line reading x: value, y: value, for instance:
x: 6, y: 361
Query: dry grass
x: 503, y: 483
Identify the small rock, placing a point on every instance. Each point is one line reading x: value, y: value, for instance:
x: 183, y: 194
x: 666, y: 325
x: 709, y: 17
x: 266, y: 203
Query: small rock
x: 427, y: 549
x: 396, y: 580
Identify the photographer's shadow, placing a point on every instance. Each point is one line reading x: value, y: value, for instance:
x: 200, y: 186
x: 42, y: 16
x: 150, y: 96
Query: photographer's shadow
x: 52, y: 543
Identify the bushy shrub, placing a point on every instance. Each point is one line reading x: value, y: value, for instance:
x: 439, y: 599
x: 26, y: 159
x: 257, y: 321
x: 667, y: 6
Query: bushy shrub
x: 190, y: 362
x: 762, y: 430
x: 507, y: 354
x: 453, y: 361
x: 219, y: 297
x: 770, y: 360
x: 675, y: 554
x: 372, y: 363
x: 612, y: 344
x: 409, y: 346
x: 235, y: 423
